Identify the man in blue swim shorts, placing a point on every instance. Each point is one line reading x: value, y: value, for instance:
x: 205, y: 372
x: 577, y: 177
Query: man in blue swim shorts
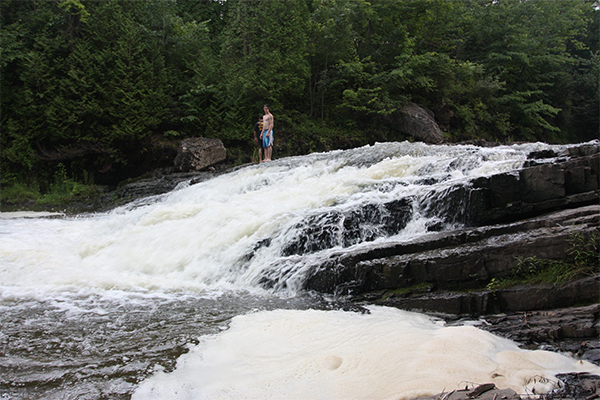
x: 267, y: 133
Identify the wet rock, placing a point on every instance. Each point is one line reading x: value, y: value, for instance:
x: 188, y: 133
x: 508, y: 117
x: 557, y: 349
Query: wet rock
x: 540, y: 297
x: 541, y: 183
x: 533, y: 213
x: 584, y: 150
x: 542, y: 154
x: 486, y: 391
x: 460, y: 259
x: 158, y: 182
x: 542, y: 188
x: 573, y: 329
x: 334, y: 228
x: 576, y: 386
x: 522, y: 298
x: 572, y: 386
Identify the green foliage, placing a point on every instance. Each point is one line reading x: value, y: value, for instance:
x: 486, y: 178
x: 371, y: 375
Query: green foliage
x: 263, y: 49
x: 62, y: 190
x: 583, y: 259
x: 88, y: 83
x: 584, y: 252
x: 18, y: 193
x: 76, y: 9
x: 94, y: 91
x: 335, y: 28
x: 420, y: 288
x: 526, y: 45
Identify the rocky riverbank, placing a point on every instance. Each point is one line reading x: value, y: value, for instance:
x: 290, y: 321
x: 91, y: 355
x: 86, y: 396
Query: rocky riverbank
x: 572, y: 386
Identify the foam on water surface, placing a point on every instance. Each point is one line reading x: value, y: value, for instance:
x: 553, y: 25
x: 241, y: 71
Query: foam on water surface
x: 387, y: 354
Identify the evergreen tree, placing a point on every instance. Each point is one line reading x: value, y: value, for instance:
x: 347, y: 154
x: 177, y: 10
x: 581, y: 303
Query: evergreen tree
x: 87, y: 83
x: 263, y: 60
x: 524, y: 43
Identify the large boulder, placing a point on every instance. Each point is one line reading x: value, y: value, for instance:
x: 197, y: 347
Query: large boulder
x: 195, y: 154
x: 417, y: 122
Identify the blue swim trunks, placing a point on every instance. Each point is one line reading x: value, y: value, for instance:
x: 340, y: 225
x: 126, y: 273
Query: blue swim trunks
x: 268, y: 138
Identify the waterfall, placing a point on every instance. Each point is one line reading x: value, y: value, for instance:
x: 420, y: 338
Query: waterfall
x: 99, y: 302
x: 260, y: 226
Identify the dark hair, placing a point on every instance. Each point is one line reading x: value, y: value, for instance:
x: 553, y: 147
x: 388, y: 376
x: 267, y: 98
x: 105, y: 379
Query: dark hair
x: 266, y: 105
x: 260, y: 116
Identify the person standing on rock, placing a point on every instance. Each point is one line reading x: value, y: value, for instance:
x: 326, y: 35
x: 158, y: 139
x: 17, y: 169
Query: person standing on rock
x: 258, y: 127
x: 267, y: 133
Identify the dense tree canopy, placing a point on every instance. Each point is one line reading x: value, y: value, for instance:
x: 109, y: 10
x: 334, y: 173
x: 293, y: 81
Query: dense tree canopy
x: 91, y: 84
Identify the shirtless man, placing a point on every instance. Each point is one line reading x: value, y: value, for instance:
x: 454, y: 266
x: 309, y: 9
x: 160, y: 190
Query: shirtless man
x: 267, y: 133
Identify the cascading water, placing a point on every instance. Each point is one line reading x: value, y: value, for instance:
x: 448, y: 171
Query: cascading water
x: 92, y: 305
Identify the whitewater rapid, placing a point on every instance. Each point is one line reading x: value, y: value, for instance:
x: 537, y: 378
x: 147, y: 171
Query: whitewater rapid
x: 201, y: 236
x: 112, y: 301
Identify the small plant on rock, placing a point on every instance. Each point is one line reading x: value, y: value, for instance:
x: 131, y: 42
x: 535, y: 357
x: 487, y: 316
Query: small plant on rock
x: 583, y: 260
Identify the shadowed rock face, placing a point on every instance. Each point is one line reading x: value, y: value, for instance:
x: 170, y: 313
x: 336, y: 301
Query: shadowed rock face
x: 417, y: 122
x: 532, y: 213
x: 335, y: 228
x: 459, y: 260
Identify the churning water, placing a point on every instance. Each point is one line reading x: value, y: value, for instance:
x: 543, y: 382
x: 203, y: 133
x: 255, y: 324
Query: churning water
x: 198, y: 294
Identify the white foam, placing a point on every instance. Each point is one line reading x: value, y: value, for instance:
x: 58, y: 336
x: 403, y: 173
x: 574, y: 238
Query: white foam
x: 201, y: 235
x: 388, y: 354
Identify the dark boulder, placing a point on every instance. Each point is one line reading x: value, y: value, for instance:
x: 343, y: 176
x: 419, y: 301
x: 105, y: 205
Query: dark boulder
x: 567, y: 183
x: 418, y: 123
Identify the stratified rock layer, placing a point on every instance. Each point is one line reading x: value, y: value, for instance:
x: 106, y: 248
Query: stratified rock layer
x: 535, y: 212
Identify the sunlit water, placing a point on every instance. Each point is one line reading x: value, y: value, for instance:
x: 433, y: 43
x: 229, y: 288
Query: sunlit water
x: 198, y: 294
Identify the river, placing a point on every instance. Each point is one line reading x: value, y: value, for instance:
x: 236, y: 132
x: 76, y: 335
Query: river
x: 198, y: 293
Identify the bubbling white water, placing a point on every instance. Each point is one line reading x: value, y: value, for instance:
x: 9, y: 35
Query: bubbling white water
x: 206, y: 235
x: 387, y: 354
x: 205, y: 249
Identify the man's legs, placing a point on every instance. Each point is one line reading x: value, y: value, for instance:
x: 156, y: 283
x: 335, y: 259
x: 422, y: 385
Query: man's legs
x: 268, y: 152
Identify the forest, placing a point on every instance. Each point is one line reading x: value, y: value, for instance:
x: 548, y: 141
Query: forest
x: 92, y: 90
